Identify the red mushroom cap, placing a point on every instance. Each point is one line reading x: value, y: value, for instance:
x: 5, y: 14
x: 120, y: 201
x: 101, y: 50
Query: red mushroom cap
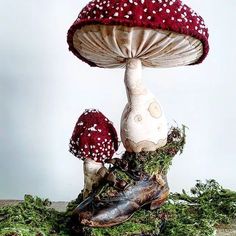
x: 93, y: 137
x: 170, y: 15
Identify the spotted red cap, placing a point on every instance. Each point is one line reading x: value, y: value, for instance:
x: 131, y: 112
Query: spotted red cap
x: 171, y: 15
x: 93, y: 137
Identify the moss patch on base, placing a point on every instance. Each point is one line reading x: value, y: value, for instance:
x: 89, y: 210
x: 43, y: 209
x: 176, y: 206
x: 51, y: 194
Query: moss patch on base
x: 159, y: 161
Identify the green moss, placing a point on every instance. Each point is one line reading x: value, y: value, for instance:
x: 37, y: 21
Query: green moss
x: 196, y: 213
x: 143, y: 222
x: 160, y: 160
x: 32, y: 217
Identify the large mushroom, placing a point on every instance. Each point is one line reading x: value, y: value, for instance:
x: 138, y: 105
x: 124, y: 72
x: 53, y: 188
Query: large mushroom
x: 94, y: 140
x: 133, y: 34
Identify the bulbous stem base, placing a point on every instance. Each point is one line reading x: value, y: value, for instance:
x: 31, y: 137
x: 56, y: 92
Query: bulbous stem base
x: 143, y: 123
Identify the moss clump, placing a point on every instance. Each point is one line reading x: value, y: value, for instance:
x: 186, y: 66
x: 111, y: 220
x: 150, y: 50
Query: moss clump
x: 32, y: 217
x: 199, y: 212
x: 160, y: 160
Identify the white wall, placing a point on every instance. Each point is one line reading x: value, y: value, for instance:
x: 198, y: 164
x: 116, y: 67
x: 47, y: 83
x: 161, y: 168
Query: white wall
x: 44, y: 88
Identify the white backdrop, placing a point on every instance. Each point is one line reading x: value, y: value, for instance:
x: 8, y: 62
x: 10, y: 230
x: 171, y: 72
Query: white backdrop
x: 44, y: 88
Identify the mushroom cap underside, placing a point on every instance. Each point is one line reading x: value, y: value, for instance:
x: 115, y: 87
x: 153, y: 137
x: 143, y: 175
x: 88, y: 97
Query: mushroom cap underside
x: 156, y: 25
x: 110, y: 46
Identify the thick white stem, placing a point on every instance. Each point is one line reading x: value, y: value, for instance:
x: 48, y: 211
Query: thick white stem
x: 143, y: 123
x: 133, y: 80
x: 90, y: 175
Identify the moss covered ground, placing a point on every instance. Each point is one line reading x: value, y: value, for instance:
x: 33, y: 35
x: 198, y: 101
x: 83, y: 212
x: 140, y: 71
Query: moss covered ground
x: 194, y: 213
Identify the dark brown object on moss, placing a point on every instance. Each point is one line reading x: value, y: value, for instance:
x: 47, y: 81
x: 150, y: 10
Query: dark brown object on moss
x: 145, y: 185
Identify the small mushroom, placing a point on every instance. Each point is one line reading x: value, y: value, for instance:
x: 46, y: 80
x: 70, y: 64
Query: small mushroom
x: 135, y: 34
x: 94, y: 140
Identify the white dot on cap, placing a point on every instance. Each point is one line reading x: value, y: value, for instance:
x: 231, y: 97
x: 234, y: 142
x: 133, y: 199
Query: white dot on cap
x: 149, y: 17
x: 116, y: 14
x: 167, y: 10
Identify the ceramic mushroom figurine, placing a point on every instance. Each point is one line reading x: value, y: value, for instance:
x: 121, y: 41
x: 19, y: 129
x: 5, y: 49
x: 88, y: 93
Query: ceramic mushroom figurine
x: 94, y: 140
x: 135, y: 34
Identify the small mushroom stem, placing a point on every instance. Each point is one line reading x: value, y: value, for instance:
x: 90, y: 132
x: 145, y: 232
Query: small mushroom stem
x: 143, y: 123
x: 91, y: 176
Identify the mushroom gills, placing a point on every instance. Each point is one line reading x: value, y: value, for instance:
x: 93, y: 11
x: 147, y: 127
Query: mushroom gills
x: 109, y: 46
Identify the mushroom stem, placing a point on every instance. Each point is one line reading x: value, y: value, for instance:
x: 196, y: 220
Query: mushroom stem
x: 133, y: 80
x: 91, y: 177
x: 143, y: 123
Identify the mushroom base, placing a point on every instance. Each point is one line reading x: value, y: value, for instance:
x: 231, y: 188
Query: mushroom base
x: 143, y: 123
